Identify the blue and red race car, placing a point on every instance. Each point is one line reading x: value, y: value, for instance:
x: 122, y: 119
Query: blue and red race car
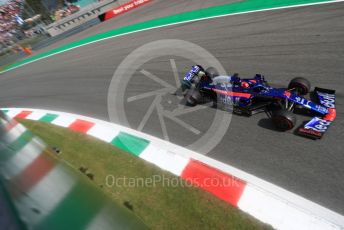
x: 253, y: 95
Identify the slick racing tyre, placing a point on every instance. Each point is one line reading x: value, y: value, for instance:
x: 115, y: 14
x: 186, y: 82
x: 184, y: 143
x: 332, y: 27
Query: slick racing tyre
x: 302, y: 85
x: 211, y: 72
x: 283, y: 119
x: 193, y: 98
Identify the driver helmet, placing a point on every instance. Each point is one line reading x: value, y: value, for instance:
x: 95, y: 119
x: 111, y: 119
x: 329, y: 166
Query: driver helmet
x: 245, y: 85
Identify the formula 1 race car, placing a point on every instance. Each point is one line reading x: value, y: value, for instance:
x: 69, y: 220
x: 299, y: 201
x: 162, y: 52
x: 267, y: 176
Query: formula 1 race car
x: 253, y: 95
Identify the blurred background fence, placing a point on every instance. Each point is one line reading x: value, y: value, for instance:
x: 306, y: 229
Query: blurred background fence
x: 27, y: 25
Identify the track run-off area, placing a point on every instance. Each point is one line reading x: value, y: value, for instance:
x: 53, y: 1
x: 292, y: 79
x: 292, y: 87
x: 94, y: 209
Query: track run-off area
x: 282, y: 43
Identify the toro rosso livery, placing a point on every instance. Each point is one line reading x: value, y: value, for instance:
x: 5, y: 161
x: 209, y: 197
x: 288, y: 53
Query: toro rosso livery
x: 253, y: 95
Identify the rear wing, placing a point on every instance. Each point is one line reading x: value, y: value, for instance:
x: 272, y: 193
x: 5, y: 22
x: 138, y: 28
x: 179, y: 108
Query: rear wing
x: 317, y: 127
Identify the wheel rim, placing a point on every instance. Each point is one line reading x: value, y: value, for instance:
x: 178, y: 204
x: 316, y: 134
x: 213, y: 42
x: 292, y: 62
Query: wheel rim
x: 300, y: 88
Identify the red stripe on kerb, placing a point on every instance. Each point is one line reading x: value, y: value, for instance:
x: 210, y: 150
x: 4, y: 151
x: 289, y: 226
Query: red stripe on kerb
x: 81, y: 126
x: 222, y: 185
x: 32, y: 174
x: 232, y: 94
x: 11, y: 124
x: 23, y: 114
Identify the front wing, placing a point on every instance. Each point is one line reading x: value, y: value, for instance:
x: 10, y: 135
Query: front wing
x: 317, y: 127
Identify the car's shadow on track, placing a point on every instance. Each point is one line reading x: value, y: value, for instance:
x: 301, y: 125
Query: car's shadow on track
x: 266, y: 123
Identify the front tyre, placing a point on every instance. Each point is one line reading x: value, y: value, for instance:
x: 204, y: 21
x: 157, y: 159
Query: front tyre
x: 301, y: 85
x: 283, y: 120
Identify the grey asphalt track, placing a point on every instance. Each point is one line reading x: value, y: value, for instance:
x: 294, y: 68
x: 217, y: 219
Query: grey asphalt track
x: 306, y: 41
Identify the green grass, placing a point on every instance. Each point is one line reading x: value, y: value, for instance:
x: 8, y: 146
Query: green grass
x: 160, y: 207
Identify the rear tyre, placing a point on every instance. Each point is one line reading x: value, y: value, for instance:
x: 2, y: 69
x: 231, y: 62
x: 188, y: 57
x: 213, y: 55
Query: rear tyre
x: 193, y: 98
x: 284, y: 120
x: 302, y: 85
x: 211, y: 72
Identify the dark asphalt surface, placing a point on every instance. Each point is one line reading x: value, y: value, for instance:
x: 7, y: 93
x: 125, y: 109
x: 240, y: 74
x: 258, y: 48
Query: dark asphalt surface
x: 306, y: 41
